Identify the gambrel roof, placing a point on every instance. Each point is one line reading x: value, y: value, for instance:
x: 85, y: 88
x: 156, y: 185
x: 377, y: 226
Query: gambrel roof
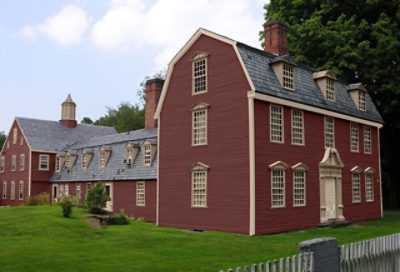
x: 52, y: 136
x: 116, y: 168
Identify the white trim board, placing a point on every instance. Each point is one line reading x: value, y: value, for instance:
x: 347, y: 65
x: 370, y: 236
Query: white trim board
x: 276, y: 100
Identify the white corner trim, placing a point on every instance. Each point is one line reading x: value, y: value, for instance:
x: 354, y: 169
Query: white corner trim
x: 380, y: 171
x: 276, y: 100
x: 30, y: 174
x: 252, y: 217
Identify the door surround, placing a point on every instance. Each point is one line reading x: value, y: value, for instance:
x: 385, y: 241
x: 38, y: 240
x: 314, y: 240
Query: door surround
x: 330, y: 171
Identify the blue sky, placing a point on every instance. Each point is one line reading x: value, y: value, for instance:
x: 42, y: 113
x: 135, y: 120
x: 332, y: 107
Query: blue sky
x: 100, y: 50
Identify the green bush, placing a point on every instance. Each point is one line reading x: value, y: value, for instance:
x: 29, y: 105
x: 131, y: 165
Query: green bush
x: 40, y: 199
x: 66, y: 203
x: 116, y: 219
x: 97, y: 198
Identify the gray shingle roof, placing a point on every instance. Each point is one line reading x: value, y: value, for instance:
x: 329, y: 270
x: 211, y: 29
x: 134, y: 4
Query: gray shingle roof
x: 53, y: 136
x: 115, y: 169
x: 306, y: 91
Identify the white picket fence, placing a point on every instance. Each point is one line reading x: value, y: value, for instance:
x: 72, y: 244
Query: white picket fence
x: 296, y: 263
x: 376, y: 255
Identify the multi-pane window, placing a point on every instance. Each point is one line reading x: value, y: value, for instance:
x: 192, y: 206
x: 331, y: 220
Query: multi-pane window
x: 102, y: 159
x: 369, y: 186
x: 277, y: 188
x: 21, y: 190
x: 43, y: 162
x: 329, y: 131
x: 199, y: 189
x: 297, y: 127
x: 88, y: 187
x: 12, y: 190
x: 4, y: 189
x: 361, y: 101
x: 68, y: 161
x: 15, y: 135
x: 2, y: 164
x: 200, y: 75
x: 140, y: 193
x: 13, y: 163
x: 288, y: 76
x: 22, y: 162
x: 354, y: 137
x: 199, y: 127
x: 66, y: 189
x: 367, y: 140
x: 330, y: 90
x: 78, y: 191
x: 276, y: 124
x: 85, y: 160
x: 147, y: 155
x: 58, y: 164
x: 299, y: 188
x: 355, y: 180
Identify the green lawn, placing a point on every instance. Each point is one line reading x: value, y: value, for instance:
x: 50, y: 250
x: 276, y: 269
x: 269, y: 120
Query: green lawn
x: 40, y: 239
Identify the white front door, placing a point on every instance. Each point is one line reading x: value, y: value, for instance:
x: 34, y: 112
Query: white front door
x: 109, y: 204
x: 330, y: 198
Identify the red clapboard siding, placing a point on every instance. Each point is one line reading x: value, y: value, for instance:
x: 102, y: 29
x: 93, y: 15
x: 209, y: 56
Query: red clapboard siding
x: 226, y: 153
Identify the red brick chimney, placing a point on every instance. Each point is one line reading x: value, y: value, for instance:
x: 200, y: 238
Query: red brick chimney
x: 275, y: 38
x: 152, y: 95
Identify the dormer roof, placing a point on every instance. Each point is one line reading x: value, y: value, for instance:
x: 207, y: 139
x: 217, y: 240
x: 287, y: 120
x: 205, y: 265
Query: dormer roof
x: 323, y: 74
x: 356, y: 86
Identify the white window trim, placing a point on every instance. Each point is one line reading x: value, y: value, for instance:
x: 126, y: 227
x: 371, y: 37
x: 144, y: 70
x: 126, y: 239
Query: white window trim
x: 21, y: 162
x: 357, y: 138
x: 282, y: 124
x: 333, y: 131
x: 2, y: 164
x: 278, y: 166
x: 78, y: 190
x: 362, y: 101
x: 369, y: 172
x: 14, y: 163
x: 304, y: 189
x: 15, y: 136
x: 302, y: 128
x: 4, y: 190
x: 199, y: 168
x: 198, y: 108
x: 355, y: 170
x: 21, y: 190
x: 331, y: 92
x: 40, y: 160
x: 197, y: 58
x: 367, y: 128
x: 291, y: 78
x: 147, y: 154
x: 141, y: 194
x: 12, y: 190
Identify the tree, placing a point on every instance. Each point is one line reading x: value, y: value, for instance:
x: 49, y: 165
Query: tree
x: 3, y: 137
x: 97, y: 198
x: 124, y: 118
x: 87, y: 121
x: 360, y: 42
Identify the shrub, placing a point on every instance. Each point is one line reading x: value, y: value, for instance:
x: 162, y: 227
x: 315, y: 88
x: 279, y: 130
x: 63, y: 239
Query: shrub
x: 40, y: 199
x: 116, y: 219
x: 97, y: 198
x: 66, y: 204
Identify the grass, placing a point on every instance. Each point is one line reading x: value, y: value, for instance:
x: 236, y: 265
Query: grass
x: 40, y: 239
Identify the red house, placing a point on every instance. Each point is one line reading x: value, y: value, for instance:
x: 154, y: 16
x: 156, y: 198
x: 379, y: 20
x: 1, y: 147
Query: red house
x: 253, y: 143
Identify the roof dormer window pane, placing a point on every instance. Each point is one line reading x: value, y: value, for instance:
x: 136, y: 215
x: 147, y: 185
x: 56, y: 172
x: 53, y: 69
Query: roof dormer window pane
x: 361, y: 101
x: 330, y: 90
x: 288, y: 76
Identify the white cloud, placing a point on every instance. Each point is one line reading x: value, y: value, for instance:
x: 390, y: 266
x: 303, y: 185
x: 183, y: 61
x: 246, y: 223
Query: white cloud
x: 168, y: 24
x: 66, y: 27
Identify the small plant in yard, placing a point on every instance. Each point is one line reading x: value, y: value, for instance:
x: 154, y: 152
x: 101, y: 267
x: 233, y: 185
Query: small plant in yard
x: 40, y: 199
x: 116, y: 219
x: 97, y: 198
x: 66, y: 203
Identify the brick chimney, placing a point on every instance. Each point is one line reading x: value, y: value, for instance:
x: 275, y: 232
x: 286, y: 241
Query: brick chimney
x: 152, y: 95
x: 275, y: 38
x: 68, y: 111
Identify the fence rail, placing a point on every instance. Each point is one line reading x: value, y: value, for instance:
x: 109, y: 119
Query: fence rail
x: 296, y: 263
x: 381, y: 254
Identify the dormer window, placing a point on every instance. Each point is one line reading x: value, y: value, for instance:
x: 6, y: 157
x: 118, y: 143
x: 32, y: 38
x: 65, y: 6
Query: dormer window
x: 361, y: 101
x: 70, y: 159
x: 87, y: 155
x: 199, y: 67
x: 358, y: 92
x: 149, y: 150
x: 105, y: 153
x: 288, y: 76
x: 131, y: 151
x: 326, y: 83
x: 60, y: 160
x: 284, y: 69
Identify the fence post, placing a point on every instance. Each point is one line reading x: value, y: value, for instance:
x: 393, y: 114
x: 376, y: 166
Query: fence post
x: 326, y: 254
